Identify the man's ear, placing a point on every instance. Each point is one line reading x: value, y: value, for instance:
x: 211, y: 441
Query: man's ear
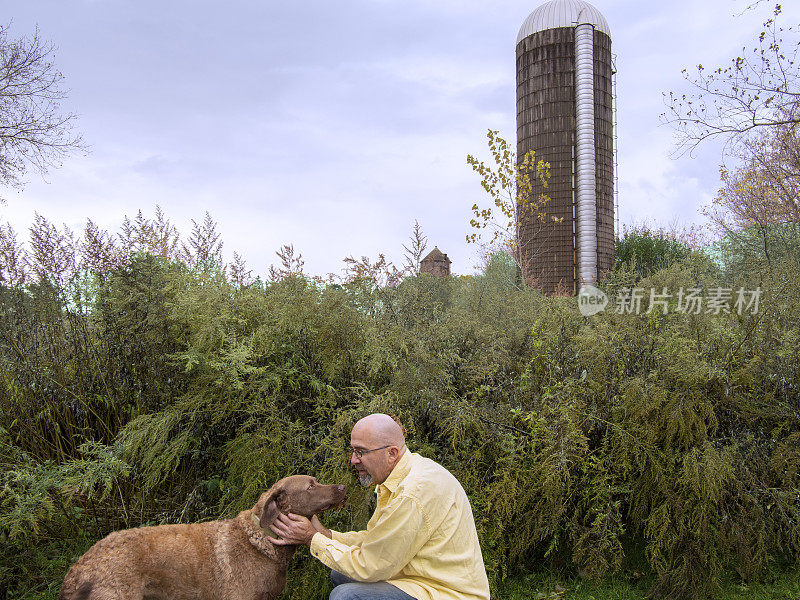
x: 267, y: 507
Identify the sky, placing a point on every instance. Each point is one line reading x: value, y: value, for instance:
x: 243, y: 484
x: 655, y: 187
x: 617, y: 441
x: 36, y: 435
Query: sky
x: 333, y: 126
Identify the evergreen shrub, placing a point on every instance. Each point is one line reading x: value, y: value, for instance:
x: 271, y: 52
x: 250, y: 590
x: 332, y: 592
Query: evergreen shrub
x: 170, y: 394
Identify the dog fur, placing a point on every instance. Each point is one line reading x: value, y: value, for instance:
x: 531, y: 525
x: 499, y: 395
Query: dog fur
x: 216, y: 560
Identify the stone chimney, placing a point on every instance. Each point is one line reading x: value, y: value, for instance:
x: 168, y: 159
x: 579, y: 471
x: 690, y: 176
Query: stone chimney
x: 436, y: 263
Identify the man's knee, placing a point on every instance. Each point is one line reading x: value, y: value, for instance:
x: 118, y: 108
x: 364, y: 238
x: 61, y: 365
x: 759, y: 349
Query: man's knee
x: 367, y: 591
x: 342, y: 591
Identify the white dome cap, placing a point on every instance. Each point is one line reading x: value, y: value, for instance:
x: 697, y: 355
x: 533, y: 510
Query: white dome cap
x: 562, y: 13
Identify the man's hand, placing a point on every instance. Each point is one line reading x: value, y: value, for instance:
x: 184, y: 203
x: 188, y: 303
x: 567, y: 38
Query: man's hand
x: 293, y: 529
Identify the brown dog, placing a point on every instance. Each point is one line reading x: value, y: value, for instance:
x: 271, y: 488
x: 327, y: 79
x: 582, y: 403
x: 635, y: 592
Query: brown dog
x: 231, y: 559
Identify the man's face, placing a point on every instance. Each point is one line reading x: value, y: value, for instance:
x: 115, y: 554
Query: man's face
x: 373, y: 467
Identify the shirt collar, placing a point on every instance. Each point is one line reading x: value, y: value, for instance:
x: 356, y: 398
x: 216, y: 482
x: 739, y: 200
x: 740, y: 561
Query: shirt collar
x: 398, y: 473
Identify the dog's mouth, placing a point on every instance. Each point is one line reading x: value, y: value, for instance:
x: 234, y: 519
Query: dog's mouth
x: 334, y: 505
x: 338, y: 504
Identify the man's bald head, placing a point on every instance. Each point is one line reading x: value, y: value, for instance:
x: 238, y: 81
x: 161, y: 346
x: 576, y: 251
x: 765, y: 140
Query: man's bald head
x: 380, y: 430
x: 382, y: 440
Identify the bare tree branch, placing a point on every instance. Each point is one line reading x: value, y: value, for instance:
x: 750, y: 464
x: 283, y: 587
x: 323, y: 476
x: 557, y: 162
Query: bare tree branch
x: 758, y: 89
x: 34, y: 132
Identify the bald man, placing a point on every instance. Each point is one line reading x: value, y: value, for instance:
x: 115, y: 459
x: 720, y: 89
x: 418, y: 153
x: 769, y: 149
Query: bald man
x: 421, y: 541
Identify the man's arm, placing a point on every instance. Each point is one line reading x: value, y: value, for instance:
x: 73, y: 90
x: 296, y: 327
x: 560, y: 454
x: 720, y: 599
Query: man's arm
x: 384, y: 549
x: 350, y: 538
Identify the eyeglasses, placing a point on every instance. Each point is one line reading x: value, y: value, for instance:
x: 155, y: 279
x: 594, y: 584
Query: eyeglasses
x: 359, y: 453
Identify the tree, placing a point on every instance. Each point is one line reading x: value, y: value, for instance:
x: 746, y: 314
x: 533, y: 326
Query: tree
x: 13, y: 268
x: 756, y: 211
x: 203, y: 245
x: 52, y: 251
x: 291, y: 265
x: 758, y: 89
x: 418, y: 242
x: 157, y: 236
x: 649, y: 251
x: 754, y: 105
x: 765, y: 187
x: 239, y: 273
x: 517, y: 193
x: 34, y: 132
x: 750, y: 253
x: 380, y: 271
x: 56, y: 255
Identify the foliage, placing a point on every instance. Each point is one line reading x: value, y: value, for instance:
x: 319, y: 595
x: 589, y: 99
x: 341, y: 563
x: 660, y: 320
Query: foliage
x: 154, y: 392
x: 753, y: 105
x: 516, y: 189
x: 647, y: 251
x: 748, y: 252
x: 631, y: 584
x: 291, y: 265
x: 756, y: 212
x: 414, y: 252
x: 380, y: 271
x: 55, y: 254
x: 764, y: 187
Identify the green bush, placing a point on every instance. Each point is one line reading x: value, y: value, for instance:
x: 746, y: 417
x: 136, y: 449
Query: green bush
x: 747, y: 252
x: 647, y: 251
x: 171, y: 395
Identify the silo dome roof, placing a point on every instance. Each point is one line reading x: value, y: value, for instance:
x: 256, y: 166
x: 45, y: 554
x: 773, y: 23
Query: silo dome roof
x: 562, y: 13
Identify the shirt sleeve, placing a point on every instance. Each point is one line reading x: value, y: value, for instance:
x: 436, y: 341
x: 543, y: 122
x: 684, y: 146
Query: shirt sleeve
x: 383, y: 550
x: 350, y: 538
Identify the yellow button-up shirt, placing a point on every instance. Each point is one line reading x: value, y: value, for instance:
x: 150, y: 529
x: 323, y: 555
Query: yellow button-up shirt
x: 421, y: 537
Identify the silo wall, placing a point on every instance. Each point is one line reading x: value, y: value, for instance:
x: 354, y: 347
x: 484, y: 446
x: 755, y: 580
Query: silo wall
x: 546, y: 124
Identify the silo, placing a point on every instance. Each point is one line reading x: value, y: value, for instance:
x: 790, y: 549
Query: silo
x: 565, y: 114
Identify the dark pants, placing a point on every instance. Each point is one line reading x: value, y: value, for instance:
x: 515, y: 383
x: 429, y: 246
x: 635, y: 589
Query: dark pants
x: 345, y: 588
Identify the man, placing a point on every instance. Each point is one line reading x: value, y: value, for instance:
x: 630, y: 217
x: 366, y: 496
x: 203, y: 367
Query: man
x: 420, y: 543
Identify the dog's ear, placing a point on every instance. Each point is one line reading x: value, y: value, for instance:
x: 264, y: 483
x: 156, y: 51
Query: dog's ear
x: 269, y: 505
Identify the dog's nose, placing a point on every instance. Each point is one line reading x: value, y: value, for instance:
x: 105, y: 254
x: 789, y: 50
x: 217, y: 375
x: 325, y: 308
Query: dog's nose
x: 340, y: 488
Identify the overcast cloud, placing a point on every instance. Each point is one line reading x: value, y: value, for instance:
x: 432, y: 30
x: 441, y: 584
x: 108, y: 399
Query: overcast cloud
x: 334, y: 125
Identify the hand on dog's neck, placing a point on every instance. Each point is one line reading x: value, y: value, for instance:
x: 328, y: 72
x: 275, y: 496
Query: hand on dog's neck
x: 267, y: 530
x: 268, y: 514
x: 259, y: 538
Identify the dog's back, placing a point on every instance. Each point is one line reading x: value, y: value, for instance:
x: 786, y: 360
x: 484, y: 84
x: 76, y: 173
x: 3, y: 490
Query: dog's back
x: 198, y: 560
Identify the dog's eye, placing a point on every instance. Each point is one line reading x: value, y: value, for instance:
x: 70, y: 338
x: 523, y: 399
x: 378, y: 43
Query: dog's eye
x: 311, y: 485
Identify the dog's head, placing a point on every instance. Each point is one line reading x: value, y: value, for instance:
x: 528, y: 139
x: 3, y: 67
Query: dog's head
x: 299, y: 494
